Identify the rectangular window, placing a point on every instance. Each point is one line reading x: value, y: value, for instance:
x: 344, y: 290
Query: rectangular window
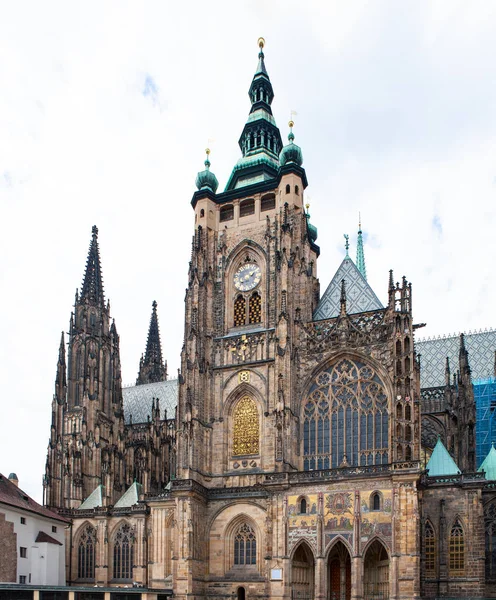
x: 22, y: 578
x: 23, y: 552
x: 23, y: 520
x: 268, y: 203
x: 54, y: 529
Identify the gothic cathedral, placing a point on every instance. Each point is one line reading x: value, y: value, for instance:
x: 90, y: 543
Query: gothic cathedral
x: 293, y: 465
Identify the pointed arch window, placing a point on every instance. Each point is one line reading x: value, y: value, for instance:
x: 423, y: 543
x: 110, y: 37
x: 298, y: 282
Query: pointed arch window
x: 246, y: 431
x: 245, y: 546
x: 430, y: 554
x: 457, y: 549
x: 239, y: 311
x: 255, y: 309
x: 345, y: 418
x: 86, y: 553
x: 303, y: 506
x: 123, y: 552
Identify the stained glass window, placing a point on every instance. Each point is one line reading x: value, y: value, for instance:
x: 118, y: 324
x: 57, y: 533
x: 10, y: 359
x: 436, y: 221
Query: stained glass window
x: 430, y: 551
x: 457, y: 550
x: 255, y: 305
x: 245, y: 546
x: 345, y: 418
x: 123, y: 552
x: 86, y: 553
x: 239, y: 311
x: 246, y: 428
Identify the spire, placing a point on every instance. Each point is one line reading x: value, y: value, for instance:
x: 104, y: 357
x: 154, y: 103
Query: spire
x: 152, y: 369
x: 260, y: 141
x: 291, y: 153
x: 346, y: 244
x: 92, y: 288
x: 60, y: 378
x: 360, y: 256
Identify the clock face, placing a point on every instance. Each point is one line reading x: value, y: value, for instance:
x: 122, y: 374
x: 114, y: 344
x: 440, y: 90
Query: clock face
x: 247, y: 277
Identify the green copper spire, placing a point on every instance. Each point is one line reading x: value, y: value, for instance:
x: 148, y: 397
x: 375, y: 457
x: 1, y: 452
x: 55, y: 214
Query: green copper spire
x: 440, y: 463
x: 291, y: 152
x: 206, y: 179
x: 260, y: 141
x: 360, y: 256
x: 489, y: 464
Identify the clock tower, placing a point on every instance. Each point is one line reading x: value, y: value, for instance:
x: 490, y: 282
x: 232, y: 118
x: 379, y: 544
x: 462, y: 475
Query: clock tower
x: 252, y: 273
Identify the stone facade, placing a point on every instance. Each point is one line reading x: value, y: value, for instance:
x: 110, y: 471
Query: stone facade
x: 8, y: 551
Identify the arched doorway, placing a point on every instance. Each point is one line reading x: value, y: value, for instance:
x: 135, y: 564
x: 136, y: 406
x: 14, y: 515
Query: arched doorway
x: 302, y: 573
x: 376, y: 572
x: 241, y: 593
x: 339, y: 573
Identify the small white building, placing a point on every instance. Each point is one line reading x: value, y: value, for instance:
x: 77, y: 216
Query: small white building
x: 32, y: 538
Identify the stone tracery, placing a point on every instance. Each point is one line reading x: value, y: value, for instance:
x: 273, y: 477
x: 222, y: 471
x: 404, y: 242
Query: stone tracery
x: 345, y: 418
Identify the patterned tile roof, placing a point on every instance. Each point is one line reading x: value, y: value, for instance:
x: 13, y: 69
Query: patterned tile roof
x: 138, y: 400
x: 480, y: 345
x: 13, y: 496
x: 360, y: 297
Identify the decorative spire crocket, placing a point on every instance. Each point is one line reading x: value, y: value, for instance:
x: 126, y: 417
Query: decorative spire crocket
x: 360, y: 256
x: 152, y: 369
x: 92, y: 287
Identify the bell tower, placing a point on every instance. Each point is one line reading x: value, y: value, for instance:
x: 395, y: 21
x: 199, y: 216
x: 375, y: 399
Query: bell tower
x: 252, y: 274
x: 87, y: 441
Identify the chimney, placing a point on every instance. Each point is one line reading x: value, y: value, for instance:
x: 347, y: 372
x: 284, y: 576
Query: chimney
x: 13, y: 479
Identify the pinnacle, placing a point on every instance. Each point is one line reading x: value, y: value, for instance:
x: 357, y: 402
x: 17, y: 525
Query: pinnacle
x: 92, y: 287
x: 152, y: 368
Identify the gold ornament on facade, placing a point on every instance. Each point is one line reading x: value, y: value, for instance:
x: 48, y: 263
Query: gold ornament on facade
x: 246, y: 434
x: 244, y: 377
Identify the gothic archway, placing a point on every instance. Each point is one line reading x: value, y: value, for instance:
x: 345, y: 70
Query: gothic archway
x: 376, y: 572
x: 339, y: 573
x: 302, y: 573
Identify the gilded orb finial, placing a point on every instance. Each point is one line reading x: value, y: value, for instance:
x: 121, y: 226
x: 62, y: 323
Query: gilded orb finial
x: 261, y: 43
x: 291, y: 123
x: 307, y: 205
x: 207, y: 150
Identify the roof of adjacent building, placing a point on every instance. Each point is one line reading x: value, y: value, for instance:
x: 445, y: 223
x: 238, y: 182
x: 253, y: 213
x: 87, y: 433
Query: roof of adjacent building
x: 44, y: 537
x: 130, y: 496
x: 480, y: 345
x: 441, y: 463
x: 360, y: 297
x: 94, y: 500
x: 13, y: 496
x: 489, y: 464
x: 138, y: 400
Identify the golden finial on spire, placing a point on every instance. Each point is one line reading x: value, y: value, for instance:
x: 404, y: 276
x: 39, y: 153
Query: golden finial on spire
x: 307, y: 205
x: 359, y: 221
x: 291, y: 124
x: 207, y: 150
x: 261, y: 43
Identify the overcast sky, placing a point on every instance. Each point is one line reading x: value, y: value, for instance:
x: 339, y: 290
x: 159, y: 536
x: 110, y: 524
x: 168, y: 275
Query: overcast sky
x: 106, y: 109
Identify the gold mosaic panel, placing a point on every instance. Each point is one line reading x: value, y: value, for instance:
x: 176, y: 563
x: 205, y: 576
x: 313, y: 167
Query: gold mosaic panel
x: 244, y: 377
x: 246, y: 438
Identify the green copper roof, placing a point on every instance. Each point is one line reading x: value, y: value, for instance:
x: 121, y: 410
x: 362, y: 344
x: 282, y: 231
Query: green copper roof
x: 360, y: 256
x: 291, y: 152
x: 130, y: 496
x: 489, y: 464
x: 440, y: 463
x: 260, y: 141
x: 206, y: 179
x: 94, y: 500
